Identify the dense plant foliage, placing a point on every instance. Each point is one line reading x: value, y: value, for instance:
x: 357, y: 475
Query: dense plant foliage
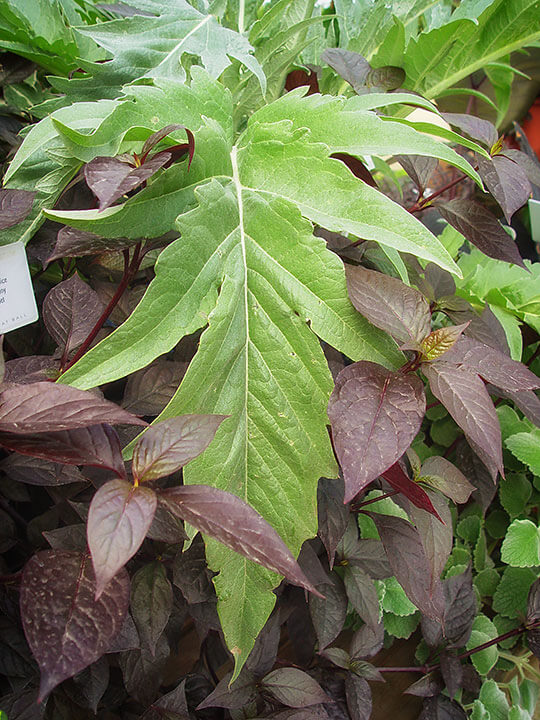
x: 240, y: 233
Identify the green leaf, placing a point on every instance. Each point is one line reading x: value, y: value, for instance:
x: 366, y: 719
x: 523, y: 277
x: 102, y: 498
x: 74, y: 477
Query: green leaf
x: 439, y: 59
x: 401, y: 627
x: 483, y: 631
x: 510, y: 598
x: 514, y: 493
x: 154, y: 45
x: 494, y: 699
x: 521, y: 546
x: 526, y: 447
x: 394, y: 599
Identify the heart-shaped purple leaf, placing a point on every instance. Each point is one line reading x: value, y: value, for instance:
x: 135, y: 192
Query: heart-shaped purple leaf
x: 66, y: 627
x: 14, y: 206
x: 506, y: 181
x: 375, y: 415
x: 119, y: 518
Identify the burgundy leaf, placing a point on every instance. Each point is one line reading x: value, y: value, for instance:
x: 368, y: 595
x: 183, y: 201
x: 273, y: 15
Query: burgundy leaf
x: 166, y: 527
x: 410, y: 564
x: 263, y: 656
x: 191, y: 574
x: 14, y: 206
x: 529, y: 165
x: 329, y: 613
x: 419, y: 168
x: 170, y: 444
x: 436, y: 534
x: 35, y: 471
x: 476, y: 472
x: 333, y: 514
x: 126, y: 639
x: 487, y: 329
x: 362, y: 594
x: 440, y: 341
x: 350, y: 65
x: 66, y: 628
x: 356, y: 166
x: 172, y: 706
x: 388, y: 303
x: 237, y: 525
x: 441, y: 281
x: 476, y: 128
x: 143, y: 673
x: 480, y: 227
x: 358, y: 695
x: 151, y: 603
x: 149, y: 390
x: 111, y: 177
x: 367, y: 641
x: 31, y: 369
x: 533, y: 602
x: 533, y: 640
x: 506, y: 181
x: 68, y: 537
x: 492, y: 365
x: 119, y: 517
x: 465, y: 397
x: 369, y: 555
x: 451, y: 671
x: 156, y: 137
x: 93, y: 681
x: 375, y: 415
x: 294, y: 688
x: 70, y: 311
x: 44, y: 407
x: 445, y: 477
x: 97, y: 445
x: 71, y: 242
x: 527, y: 401
x: 441, y: 708
x: 396, y: 477
x: 337, y: 656
x: 233, y: 697
x: 427, y: 686
x: 460, y: 608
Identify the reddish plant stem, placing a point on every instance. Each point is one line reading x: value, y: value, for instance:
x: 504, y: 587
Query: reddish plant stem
x: 421, y: 203
x: 425, y: 669
x: 356, y: 508
x: 433, y: 404
x: 130, y: 269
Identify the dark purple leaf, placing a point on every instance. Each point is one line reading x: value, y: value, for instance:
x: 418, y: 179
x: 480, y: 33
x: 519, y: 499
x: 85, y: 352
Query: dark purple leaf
x: 170, y: 444
x: 23, y: 705
x: 389, y: 304
x: 233, y: 697
x: 362, y: 594
x: 151, y: 603
x: 440, y: 281
x: 533, y: 640
x: 70, y: 311
x: 427, y: 686
x: 476, y: 128
x: 97, y: 445
x: 440, y: 341
x: 126, y: 639
x: 368, y: 554
x: 375, y: 415
x: 357, y: 168
x: 441, y: 708
x: 465, y: 397
x: 506, y: 181
x: 477, y: 473
x: 293, y: 688
x: 66, y: 627
x: 329, y: 613
x: 419, y: 168
x: 71, y: 242
x: 14, y: 206
x: 93, y: 682
x: 172, y: 706
x: 460, y: 604
x: 119, y: 517
x: 237, y: 525
x: 358, y: 695
x: 156, y: 137
x: 445, y: 477
x: 69, y: 537
x: 410, y: 564
x: 350, y: 65
x: 492, y: 365
x: 530, y: 166
x: 314, y: 713
x: 45, y: 407
x: 333, y: 514
x: 396, y: 477
x: 191, y: 574
x: 31, y: 369
x: 451, y: 671
x: 337, y: 656
x: 527, y: 401
x: 311, y: 565
x: 263, y: 656
x: 111, y: 177
x: 167, y: 527
x: 480, y: 227
x: 487, y: 329
x: 533, y: 602
x: 436, y: 534
x: 149, y: 390
x: 143, y: 672
x: 35, y: 471
x: 366, y: 670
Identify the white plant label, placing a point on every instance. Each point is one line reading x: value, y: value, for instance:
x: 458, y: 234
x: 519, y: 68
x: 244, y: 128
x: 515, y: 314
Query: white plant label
x: 17, y: 301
